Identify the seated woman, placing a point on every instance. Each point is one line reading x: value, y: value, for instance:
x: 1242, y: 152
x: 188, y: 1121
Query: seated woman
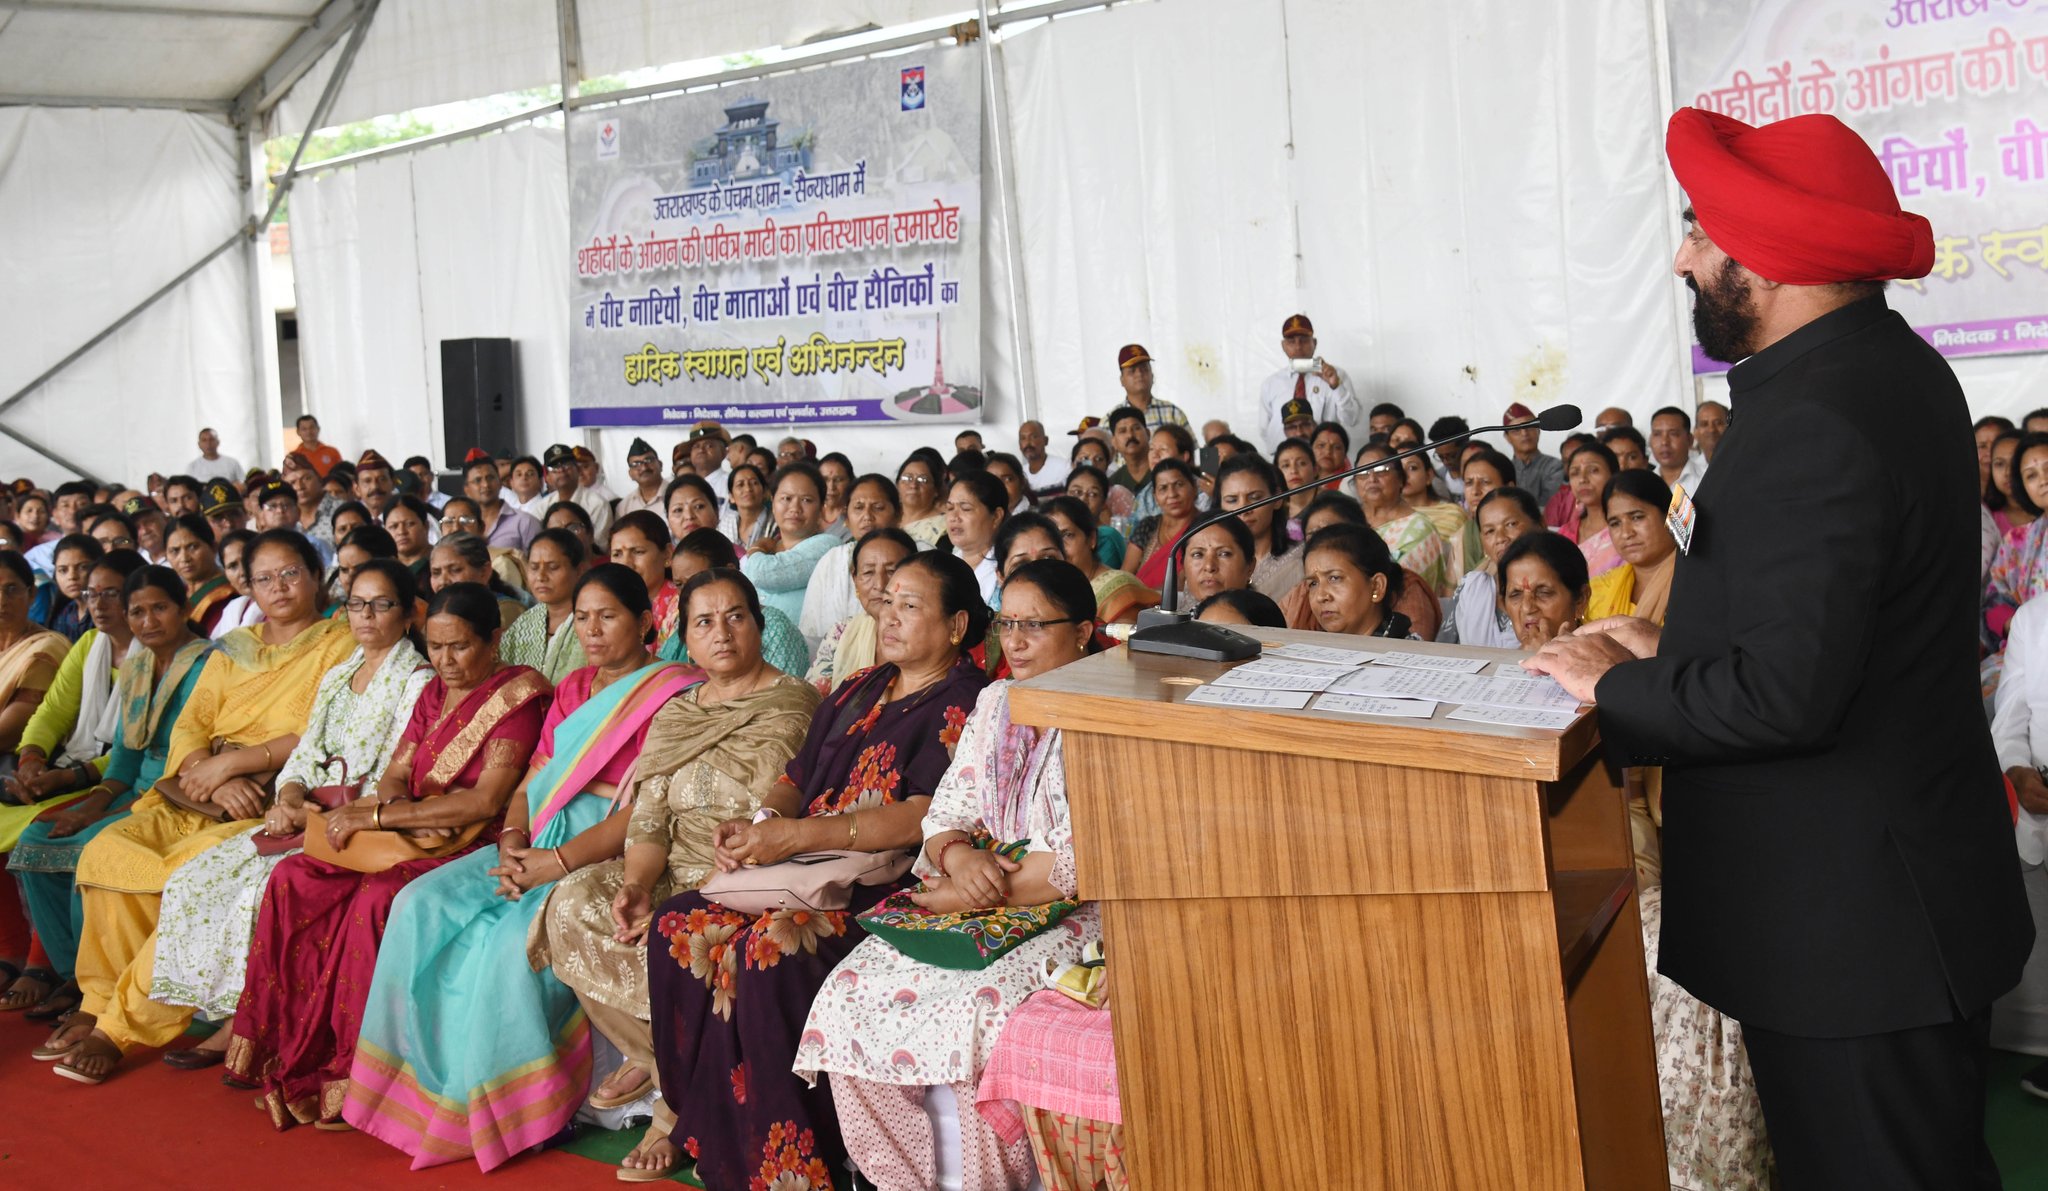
x: 243, y: 610
x: 349, y: 516
x: 837, y: 471
x: 780, y: 567
x: 1414, y: 542
x: 1445, y: 516
x: 409, y: 521
x: 544, y: 637
x: 1175, y: 487
x: 567, y: 514
x: 150, y: 689
x: 781, y: 643
x: 1119, y: 597
x: 1587, y: 476
x: 1636, y: 502
x: 1353, y: 583
x: 2019, y: 1021
x: 1247, y: 605
x: 1543, y: 587
x: 465, y: 1050
x: 690, y: 505
x: 190, y: 550
x: 746, y: 519
x: 463, y: 558
x: 1218, y: 559
x: 712, y: 755
x: 922, y: 484
x: 238, y: 728
x: 56, y: 605
x: 1025, y: 537
x: 1295, y: 460
x: 1477, y: 617
x: 887, y: 1027
x: 872, y: 503
x: 975, y: 507
x: 360, y: 710
x: 1416, y: 601
x: 2019, y: 571
x: 850, y: 647
x: 1090, y: 486
x: 1244, y: 480
x: 640, y: 543
x: 315, y: 945
x: 728, y: 989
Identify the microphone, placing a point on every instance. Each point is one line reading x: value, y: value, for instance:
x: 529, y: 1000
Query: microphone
x: 1166, y: 630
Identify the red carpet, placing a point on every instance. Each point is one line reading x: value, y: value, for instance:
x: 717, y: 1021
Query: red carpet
x: 151, y: 1126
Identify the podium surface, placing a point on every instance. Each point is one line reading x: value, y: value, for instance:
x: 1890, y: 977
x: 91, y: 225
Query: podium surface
x: 1354, y: 951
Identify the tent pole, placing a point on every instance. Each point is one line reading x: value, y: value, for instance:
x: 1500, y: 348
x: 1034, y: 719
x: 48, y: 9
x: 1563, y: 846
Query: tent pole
x: 997, y: 97
x: 265, y: 386
x: 320, y: 109
x: 47, y: 453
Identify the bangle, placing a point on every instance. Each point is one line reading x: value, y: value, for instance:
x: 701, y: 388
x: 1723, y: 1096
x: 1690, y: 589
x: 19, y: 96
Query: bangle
x: 950, y: 845
x: 560, y: 861
x: 377, y: 814
x: 852, y: 831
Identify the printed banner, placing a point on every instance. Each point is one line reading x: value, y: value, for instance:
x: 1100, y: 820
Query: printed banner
x: 1952, y: 95
x: 804, y: 249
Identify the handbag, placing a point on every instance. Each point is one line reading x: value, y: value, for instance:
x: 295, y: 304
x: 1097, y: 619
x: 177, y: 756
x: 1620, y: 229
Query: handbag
x: 171, y: 791
x: 325, y: 797
x: 377, y: 849
x: 964, y: 940
x: 815, y: 881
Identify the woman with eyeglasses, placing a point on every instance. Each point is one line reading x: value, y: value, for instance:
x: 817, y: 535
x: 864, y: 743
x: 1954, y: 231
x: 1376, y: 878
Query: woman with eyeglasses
x: 889, y: 1029
x: 728, y: 990
x: 921, y: 484
x: 239, y: 727
x: 359, y: 711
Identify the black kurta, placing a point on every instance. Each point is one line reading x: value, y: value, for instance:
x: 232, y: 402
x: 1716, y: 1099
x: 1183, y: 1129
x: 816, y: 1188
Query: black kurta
x: 1838, y: 852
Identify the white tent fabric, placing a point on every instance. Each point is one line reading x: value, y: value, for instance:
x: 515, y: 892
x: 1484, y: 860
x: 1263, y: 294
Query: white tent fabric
x: 98, y: 208
x: 126, y: 51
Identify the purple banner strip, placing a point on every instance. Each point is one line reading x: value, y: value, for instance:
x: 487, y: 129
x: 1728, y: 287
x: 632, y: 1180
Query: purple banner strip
x: 1990, y: 337
x: 761, y: 413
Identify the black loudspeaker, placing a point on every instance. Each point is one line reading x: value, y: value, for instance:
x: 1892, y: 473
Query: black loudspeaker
x: 479, y: 398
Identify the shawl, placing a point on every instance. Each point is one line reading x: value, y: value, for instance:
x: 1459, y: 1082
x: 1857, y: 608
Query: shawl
x: 437, y: 748
x: 99, y: 711
x: 20, y: 659
x: 1653, y: 588
x: 143, y: 696
x: 593, y: 734
x: 749, y: 739
x: 1118, y: 593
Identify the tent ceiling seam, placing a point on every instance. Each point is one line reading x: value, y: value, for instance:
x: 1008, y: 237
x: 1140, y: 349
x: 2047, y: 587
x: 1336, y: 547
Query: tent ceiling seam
x: 190, y: 12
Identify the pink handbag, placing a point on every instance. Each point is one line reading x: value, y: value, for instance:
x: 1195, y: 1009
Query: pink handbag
x: 816, y: 881
x: 326, y: 798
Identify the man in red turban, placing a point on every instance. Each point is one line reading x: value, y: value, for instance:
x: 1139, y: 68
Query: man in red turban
x: 1839, y: 869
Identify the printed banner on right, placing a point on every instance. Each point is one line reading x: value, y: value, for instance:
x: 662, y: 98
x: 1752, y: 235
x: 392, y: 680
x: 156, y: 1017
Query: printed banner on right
x: 1952, y: 96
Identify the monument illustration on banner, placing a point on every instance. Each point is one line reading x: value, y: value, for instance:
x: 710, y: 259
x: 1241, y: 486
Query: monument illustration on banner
x: 750, y: 146
x: 939, y: 397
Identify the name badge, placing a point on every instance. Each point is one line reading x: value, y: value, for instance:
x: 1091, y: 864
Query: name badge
x: 1681, y: 518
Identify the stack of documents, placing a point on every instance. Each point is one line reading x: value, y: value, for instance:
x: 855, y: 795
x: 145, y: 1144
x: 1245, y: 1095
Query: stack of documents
x: 1398, y: 685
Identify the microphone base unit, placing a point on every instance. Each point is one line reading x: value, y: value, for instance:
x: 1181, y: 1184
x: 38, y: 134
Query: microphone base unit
x: 1178, y: 636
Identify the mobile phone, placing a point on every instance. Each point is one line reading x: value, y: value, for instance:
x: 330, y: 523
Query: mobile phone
x: 1210, y: 460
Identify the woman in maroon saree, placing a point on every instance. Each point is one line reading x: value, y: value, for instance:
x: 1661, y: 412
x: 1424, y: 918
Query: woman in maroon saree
x: 315, y: 946
x: 729, y: 991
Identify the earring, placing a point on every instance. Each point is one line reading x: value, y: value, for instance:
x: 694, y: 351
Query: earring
x: 956, y: 638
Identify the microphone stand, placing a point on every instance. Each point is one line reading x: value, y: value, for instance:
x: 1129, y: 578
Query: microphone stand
x: 1166, y: 630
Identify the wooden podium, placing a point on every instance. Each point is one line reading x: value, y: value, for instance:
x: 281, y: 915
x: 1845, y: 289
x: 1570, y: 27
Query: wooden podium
x: 1351, y: 952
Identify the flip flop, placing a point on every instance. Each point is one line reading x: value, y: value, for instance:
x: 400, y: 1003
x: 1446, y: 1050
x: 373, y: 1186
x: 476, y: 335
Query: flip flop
x: 630, y: 1175
x: 50, y: 1051
x: 69, y: 1072
x: 58, y: 1005
x: 43, y: 978
x: 620, y: 1100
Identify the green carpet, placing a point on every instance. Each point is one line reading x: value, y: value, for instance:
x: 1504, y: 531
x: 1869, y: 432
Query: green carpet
x: 2016, y: 1124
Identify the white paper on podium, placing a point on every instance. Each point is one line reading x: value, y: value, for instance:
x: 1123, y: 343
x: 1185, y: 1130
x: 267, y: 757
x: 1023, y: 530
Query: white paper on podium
x: 1281, y: 674
x: 1516, y: 717
x: 1239, y: 696
x: 1540, y: 693
x: 1301, y: 652
x: 1394, y: 682
x: 1407, y: 709
x: 1434, y: 662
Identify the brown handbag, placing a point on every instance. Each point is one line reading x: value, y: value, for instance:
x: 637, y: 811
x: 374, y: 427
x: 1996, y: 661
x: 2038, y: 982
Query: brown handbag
x: 326, y: 798
x: 377, y: 849
x: 171, y: 791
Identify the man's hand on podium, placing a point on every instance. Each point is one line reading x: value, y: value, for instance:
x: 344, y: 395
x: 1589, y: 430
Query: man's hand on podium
x: 1578, y: 662
x: 1635, y: 634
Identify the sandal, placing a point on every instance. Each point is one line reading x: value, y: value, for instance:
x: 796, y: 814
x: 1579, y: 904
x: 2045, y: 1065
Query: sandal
x: 93, y: 1047
x: 631, y: 1174
x: 41, y: 984
x: 621, y: 1099
x: 58, y: 1005
x: 56, y: 1046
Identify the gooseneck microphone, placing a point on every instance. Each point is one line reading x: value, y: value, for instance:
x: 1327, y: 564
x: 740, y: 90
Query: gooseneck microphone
x: 1166, y: 630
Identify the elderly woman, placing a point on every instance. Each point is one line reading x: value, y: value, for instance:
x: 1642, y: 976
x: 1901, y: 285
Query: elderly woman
x: 464, y: 558
x: 238, y: 728
x: 746, y: 519
x: 781, y: 643
x: 1415, y: 543
x: 1119, y: 597
x: 728, y: 988
x: 850, y: 647
x: 1477, y: 617
x: 1218, y: 558
x: 1636, y: 501
x: 921, y: 484
x: 780, y: 567
x: 1175, y: 487
x: 544, y: 637
x: 190, y: 550
x: 1241, y: 482
x: 711, y: 756
x: 1352, y: 582
x: 1587, y: 476
x: 466, y: 1051
x: 1543, y: 587
x: 465, y: 746
x: 889, y: 1028
x: 976, y: 504
x: 872, y: 503
x: 361, y: 708
x: 150, y: 689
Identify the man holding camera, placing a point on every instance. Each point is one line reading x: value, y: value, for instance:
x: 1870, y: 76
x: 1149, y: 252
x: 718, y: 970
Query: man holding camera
x: 1307, y: 378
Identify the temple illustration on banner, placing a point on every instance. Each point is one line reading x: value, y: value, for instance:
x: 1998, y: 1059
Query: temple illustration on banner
x: 751, y: 145
x: 939, y: 397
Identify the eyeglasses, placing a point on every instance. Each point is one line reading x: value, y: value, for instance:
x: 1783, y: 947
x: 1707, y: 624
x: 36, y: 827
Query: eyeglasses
x: 94, y: 595
x: 118, y: 543
x: 919, y: 480
x: 1007, y: 626
x: 283, y: 578
x: 380, y: 606
x: 452, y: 522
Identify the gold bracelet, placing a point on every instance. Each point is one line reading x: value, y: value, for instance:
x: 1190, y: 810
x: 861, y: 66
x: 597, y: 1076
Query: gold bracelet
x: 852, y: 831
x: 377, y: 814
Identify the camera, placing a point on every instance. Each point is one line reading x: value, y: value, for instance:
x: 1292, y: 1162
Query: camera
x: 1305, y: 366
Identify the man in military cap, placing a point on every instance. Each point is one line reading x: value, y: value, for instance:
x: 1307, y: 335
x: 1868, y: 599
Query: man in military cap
x: 376, y: 487
x: 1134, y: 372
x: 1324, y: 387
x: 221, y: 504
x: 565, y: 480
x: 643, y: 467
x: 707, y: 452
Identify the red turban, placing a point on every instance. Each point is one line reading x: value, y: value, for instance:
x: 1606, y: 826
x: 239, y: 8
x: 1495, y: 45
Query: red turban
x: 1801, y: 202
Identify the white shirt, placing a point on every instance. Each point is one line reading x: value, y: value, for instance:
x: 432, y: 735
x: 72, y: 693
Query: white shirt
x: 239, y: 613
x: 2019, y: 730
x: 1339, y: 405
x: 1049, y: 480
x: 830, y: 597
x: 631, y: 503
x: 1690, y: 475
x: 223, y: 468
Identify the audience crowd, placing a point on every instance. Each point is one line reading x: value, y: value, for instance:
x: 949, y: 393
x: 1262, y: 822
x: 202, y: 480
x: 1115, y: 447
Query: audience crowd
x: 464, y: 805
